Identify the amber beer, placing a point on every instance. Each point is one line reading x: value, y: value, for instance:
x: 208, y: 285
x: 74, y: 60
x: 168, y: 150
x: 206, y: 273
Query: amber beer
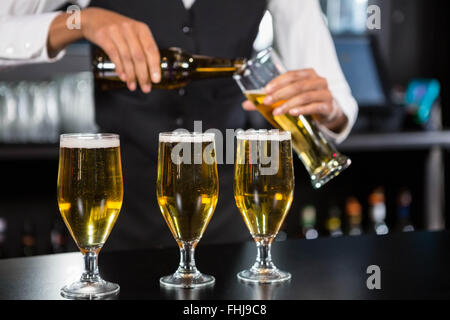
x: 320, y: 158
x: 263, y: 199
x: 178, y: 68
x: 314, y: 155
x: 307, y: 140
x: 90, y: 188
x: 187, y: 189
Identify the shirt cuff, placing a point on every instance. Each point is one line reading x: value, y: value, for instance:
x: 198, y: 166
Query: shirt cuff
x: 339, y: 137
x: 28, y: 43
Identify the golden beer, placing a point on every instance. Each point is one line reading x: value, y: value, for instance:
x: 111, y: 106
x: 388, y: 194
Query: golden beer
x: 263, y: 199
x: 188, y: 191
x: 90, y: 189
x: 178, y: 68
x: 314, y: 151
x: 319, y: 156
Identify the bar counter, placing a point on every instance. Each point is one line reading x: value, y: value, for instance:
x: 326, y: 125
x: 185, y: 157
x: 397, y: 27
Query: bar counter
x: 412, y: 266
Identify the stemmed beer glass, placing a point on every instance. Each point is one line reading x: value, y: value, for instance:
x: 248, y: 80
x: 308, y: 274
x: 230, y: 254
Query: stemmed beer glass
x: 263, y: 190
x: 90, y: 195
x: 187, y: 190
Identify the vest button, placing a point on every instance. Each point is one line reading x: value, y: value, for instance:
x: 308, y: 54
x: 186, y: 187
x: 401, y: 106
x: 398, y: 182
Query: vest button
x: 182, y: 92
x: 186, y: 29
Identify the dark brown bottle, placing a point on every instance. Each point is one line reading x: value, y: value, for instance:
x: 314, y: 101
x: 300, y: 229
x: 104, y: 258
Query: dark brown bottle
x: 178, y: 68
x: 353, y: 210
x: 28, y: 238
x: 3, y: 229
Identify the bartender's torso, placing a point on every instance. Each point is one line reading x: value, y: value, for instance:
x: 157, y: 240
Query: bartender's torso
x: 210, y: 27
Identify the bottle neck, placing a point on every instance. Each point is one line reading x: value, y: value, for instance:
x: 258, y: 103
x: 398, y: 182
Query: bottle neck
x: 209, y: 67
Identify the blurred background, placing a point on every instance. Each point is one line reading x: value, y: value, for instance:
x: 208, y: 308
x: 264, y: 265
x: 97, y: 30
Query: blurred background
x: 399, y: 146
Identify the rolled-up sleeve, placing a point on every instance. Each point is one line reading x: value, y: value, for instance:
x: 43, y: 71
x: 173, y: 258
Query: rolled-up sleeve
x: 23, y: 39
x: 24, y: 29
x: 304, y: 41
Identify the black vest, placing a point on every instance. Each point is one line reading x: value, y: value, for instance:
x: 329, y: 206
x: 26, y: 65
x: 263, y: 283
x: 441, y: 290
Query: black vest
x: 211, y: 27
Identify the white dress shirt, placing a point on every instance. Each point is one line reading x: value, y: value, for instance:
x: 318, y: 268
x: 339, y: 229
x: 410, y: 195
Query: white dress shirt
x: 300, y: 36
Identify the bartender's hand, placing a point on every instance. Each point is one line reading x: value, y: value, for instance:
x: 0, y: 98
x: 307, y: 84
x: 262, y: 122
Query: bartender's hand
x: 127, y: 42
x: 303, y: 93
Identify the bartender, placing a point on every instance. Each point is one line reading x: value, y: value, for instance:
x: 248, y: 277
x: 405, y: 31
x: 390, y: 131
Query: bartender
x: 131, y: 31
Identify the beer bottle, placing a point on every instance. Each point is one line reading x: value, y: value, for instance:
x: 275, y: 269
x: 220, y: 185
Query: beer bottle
x: 334, y: 222
x: 282, y: 233
x: 58, y: 237
x: 403, y: 214
x: 178, y: 68
x: 308, y: 223
x: 28, y: 239
x: 377, y: 211
x: 3, y: 228
x: 353, y: 211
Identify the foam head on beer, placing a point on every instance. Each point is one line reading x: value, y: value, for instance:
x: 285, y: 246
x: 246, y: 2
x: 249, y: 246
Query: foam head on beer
x: 264, y: 147
x: 263, y: 134
x: 91, y: 141
x: 190, y: 148
x: 188, y: 137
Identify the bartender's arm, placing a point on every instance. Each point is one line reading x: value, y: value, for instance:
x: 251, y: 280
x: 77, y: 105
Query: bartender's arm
x: 30, y: 32
x: 315, y: 84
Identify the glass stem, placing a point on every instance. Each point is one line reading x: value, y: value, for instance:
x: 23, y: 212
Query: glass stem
x: 263, y: 257
x: 187, y: 260
x: 90, y: 273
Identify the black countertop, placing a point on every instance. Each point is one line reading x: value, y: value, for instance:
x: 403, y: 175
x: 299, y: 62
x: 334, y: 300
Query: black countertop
x: 413, y: 266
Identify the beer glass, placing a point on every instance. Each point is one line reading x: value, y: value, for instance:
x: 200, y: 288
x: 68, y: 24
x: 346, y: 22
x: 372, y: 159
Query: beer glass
x: 187, y: 190
x: 320, y: 158
x: 90, y: 194
x: 263, y: 190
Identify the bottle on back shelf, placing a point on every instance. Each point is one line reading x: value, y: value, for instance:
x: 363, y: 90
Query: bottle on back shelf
x: 334, y: 222
x: 404, y: 200
x: 308, y: 223
x: 281, y: 235
x: 377, y: 211
x: 3, y: 228
x: 58, y: 237
x: 353, y: 210
x: 28, y: 239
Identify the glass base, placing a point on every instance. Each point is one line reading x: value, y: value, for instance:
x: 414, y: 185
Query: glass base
x: 332, y: 169
x: 187, y: 280
x: 264, y: 276
x: 90, y: 290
